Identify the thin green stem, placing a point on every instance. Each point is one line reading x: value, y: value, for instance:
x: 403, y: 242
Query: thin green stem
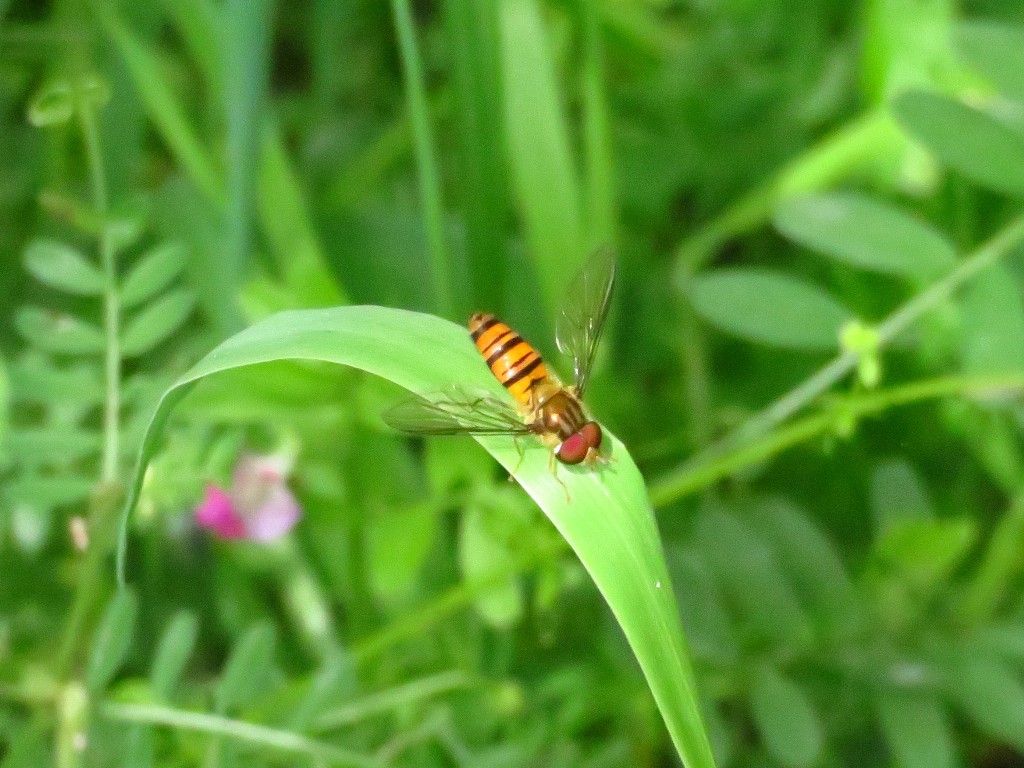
x: 73, y: 726
x: 89, y: 586
x: 216, y: 725
x: 429, y: 183
x: 900, y: 320
x: 679, y: 484
x: 786, y: 406
x: 866, y: 138
x: 393, y: 698
x: 111, y: 305
x: 447, y: 603
x: 388, y: 149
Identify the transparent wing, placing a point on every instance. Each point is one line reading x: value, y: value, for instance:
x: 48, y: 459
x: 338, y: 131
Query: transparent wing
x: 455, y: 412
x: 579, y: 325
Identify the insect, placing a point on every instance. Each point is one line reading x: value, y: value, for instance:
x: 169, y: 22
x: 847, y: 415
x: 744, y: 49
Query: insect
x: 546, y: 407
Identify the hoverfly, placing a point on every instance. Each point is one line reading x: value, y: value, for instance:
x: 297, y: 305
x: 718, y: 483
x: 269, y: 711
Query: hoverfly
x: 546, y: 408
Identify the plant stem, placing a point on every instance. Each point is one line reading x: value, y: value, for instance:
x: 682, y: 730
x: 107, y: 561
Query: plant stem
x: 416, y: 623
x: 111, y: 308
x: 867, y: 137
x: 73, y: 726
x: 430, y: 187
x: 392, y: 699
x: 270, y: 738
x: 689, y: 479
x: 997, y: 247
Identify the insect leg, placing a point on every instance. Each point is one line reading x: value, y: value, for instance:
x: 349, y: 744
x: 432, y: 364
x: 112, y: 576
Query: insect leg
x: 522, y: 455
x: 553, y: 468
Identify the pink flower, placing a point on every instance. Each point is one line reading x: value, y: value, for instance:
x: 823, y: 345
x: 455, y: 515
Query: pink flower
x: 258, y: 506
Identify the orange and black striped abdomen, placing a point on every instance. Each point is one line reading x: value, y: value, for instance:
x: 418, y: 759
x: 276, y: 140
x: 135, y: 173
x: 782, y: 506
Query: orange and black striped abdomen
x: 516, y: 364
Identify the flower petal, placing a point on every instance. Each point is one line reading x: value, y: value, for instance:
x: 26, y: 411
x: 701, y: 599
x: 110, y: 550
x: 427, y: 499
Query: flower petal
x: 216, y: 512
x: 276, y: 516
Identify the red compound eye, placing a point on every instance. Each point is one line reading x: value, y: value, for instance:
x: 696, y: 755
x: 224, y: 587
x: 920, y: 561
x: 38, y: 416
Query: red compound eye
x: 591, y: 432
x: 573, y: 449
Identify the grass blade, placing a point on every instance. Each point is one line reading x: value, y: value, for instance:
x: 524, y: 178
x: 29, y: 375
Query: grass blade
x: 429, y: 183
x: 471, y: 33
x: 543, y: 171
x: 247, y: 61
x: 605, y: 517
x: 165, y: 109
x: 288, y: 226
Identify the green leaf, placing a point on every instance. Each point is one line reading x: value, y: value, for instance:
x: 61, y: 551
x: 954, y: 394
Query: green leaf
x: 153, y: 272
x: 769, y: 307
x: 482, y: 194
x: 710, y: 630
x: 199, y: 23
x: 52, y: 105
x: 785, y: 718
x: 58, y: 333
x: 5, y: 412
x: 905, y: 45
x: 915, y: 728
x: 62, y: 267
x: 993, y: 323
x: 966, y: 139
x: 334, y: 682
x: 1004, y: 639
x: 865, y: 233
x: 760, y: 589
x: 810, y: 562
x: 997, y: 51
x: 397, y: 544
x: 92, y: 89
x: 176, y: 645
x: 40, y: 492
x: 36, y: 378
x: 603, y: 514
x: 288, y: 227
x: 43, y: 445
x: 925, y: 554
x: 481, y: 545
x: 898, y: 496
x: 112, y: 640
x: 165, y: 109
x: 543, y: 172
x: 247, y: 669
x: 990, y: 693
x: 156, y: 323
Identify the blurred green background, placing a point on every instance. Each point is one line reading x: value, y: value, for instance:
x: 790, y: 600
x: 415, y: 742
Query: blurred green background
x: 815, y: 354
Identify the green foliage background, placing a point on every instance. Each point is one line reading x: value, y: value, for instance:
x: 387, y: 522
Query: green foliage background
x: 814, y: 357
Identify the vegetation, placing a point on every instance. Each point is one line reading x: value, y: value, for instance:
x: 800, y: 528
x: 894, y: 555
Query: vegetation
x: 234, y: 233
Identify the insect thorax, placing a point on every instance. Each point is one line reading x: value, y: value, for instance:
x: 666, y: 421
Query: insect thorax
x: 560, y: 413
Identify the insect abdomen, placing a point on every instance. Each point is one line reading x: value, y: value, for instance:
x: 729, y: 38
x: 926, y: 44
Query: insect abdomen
x: 517, y: 365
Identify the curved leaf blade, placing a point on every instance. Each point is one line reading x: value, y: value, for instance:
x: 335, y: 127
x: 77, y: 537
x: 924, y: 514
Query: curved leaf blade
x: 606, y: 518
